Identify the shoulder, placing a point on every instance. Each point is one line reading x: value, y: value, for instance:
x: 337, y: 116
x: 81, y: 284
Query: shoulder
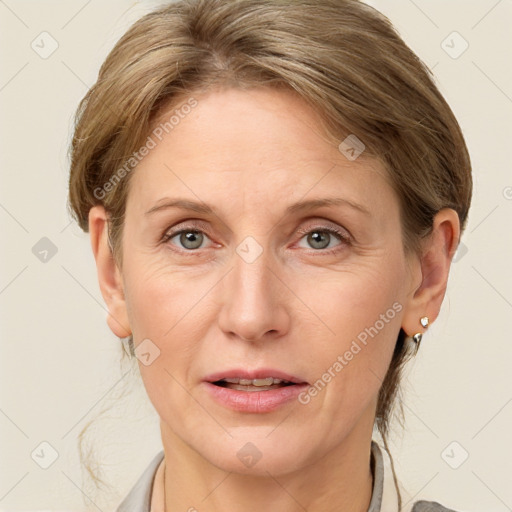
x: 386, y: 490
x: 430, y: 506
x: 139, y: 497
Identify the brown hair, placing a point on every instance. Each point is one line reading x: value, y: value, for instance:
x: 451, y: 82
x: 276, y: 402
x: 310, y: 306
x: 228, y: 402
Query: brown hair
x: 342, y: 57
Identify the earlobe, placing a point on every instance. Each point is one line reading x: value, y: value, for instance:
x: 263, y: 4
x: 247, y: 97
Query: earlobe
x: 426, y: 299
x: 109, y: 275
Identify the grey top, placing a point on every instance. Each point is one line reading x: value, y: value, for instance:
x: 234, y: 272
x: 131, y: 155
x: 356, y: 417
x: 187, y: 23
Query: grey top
x: 383, y: 493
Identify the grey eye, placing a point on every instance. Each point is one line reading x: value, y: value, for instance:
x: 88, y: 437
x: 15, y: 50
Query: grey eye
x: 191, y: 239
x: 319, y: 239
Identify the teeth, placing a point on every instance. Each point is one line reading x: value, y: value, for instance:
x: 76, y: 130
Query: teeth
x: 269, y: 381
x: 265, y: 382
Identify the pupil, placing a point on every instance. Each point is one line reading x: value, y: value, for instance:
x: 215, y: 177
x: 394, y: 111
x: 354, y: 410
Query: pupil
x: 316, y: 238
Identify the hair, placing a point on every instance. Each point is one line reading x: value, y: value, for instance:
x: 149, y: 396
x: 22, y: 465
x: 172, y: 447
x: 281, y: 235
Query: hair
x: 342, y: 57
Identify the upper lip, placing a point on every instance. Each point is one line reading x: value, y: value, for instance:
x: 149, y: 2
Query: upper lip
x: 258, y: 373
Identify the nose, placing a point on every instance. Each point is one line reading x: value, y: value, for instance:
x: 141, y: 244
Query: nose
x: 254, y: 301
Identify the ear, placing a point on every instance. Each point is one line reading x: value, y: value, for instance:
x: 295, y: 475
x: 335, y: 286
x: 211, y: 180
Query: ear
x: 431, y: 280
x: 109, y: 276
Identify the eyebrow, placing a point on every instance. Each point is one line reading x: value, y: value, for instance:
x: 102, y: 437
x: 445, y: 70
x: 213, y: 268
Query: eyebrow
x: 310, y: 204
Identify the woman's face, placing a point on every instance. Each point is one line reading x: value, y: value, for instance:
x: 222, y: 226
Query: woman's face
x: 259, y: 281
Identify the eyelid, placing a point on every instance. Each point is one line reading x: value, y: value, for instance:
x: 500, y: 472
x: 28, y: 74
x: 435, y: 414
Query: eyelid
x: 191, y: 225
x: 325, y: 225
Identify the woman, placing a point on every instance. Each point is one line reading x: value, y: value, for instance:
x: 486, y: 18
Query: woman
x: 274, y: 192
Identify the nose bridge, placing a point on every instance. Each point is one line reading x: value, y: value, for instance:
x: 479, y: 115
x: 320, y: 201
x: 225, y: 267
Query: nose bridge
x: 251, y: 273
x: 253, y: 296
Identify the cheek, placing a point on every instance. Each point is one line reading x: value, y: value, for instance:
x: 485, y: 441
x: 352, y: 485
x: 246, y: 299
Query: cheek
x: 361, y: 315
x: 161, y: 299
x: 174, y: 311
x: 166, y: 308
x: 350, y: 303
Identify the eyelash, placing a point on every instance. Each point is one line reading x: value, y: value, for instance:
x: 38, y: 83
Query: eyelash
x: 340, y: 234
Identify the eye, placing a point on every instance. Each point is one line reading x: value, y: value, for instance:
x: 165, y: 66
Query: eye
x: 189, y: 237
x: 320, y: 238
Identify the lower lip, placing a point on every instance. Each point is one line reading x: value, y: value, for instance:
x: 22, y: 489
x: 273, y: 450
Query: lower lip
x: 254, y: 401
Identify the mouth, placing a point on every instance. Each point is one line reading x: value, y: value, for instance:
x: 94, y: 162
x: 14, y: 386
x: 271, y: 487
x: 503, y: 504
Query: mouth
x: 262, y: 379
x: 256, y: 391
x: 266, y: 384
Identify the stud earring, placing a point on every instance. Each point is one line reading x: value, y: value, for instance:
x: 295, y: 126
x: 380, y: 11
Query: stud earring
x: 416, y: 338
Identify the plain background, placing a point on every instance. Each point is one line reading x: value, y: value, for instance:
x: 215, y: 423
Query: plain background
x: 60, y: 363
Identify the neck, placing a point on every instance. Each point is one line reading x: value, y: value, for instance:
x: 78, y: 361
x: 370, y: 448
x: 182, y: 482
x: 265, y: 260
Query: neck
x: 340, y: 481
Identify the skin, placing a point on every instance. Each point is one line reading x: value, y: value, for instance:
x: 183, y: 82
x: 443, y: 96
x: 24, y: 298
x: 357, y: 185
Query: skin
x: 296, y: 307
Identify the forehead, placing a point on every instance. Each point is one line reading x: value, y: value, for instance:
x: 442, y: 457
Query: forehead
x: 260, y: 143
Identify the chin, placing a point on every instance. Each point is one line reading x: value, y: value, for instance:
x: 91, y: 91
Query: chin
x: 258, y: 454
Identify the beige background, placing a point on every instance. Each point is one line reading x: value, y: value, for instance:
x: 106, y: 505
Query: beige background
x: 60, y: 363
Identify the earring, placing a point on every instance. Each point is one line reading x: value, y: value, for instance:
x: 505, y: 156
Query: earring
x: 416, y: 338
